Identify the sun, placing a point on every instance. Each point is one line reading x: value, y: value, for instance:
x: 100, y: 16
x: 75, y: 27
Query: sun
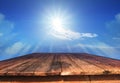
x: 57, y: 22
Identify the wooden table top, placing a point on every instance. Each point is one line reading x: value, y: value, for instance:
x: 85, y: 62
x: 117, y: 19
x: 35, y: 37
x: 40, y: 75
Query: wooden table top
x: 44, y: 64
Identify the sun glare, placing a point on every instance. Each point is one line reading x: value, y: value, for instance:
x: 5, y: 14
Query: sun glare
x: 57, y: 22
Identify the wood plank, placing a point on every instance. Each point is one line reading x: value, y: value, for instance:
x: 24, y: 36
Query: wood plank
x: 76, y: 79
x: 7, y: 63
x: 12, y: 65
x: 114, y: 65
x: 69, y: 67
x: 108, y: 69
x: 55, y: 67
x: 50, y: 66
x: 31, y: 79
x: 14, y: 61
x: 105, y: 79
x: 44, y: 64
x: 61, y: 79
x: 46, y: 79
x: 17, y: 68
x: 105, y: 60
x: 33, y: 66
x: 88, y: 69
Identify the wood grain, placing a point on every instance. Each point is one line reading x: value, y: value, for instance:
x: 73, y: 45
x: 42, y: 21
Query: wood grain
x: 61, y: 79
x: 45, y: 64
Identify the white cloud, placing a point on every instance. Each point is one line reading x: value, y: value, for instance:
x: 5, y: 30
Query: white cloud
x: 95, y: 45
x: 89, y: 35
x: 6, y: 26
x: 114, y: 26
x: 25, y: 49
x: 100, y: 48
x: 15, y: 48
x: 67, y: 34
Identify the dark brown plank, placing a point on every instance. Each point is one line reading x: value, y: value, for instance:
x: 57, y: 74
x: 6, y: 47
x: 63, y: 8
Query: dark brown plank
x: 45, y: 79
x: 61, y: 79
x: 105, y: 79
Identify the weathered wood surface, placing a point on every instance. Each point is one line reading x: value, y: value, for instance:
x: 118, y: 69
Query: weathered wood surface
x: 61, y: 79
x: 46, y: 64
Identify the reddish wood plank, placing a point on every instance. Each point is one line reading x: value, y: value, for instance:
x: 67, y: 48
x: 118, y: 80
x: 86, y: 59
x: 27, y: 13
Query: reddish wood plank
x: 55, y: 67
x: 69, y: 67
x: 16, y: 68
x: 50, y: 66
x: 43, y: 64
x: 33, y: 66
x: 88, y: 69
x: 14, y: 61
x: 108, y: 69
x: 14, y: 64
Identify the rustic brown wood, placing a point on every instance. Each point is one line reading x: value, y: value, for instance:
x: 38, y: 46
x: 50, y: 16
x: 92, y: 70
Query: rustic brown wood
x: 49, y: 66
x: 17, y: 68
x: 47, y: 79
x: 88, y: 69
x: 61, y: 79
x: 104, y: 63
x: 69, y: 67
x: 45, y: 64
x: 60, y: 68
x: 105, y: 79
x: 55, y: 67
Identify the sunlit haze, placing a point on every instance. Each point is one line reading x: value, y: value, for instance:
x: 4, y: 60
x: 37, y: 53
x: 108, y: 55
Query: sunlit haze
x: 59, y: 26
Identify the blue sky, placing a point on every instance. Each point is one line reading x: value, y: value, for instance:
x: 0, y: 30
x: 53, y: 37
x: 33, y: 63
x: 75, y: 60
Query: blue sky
x: 29, y: 26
